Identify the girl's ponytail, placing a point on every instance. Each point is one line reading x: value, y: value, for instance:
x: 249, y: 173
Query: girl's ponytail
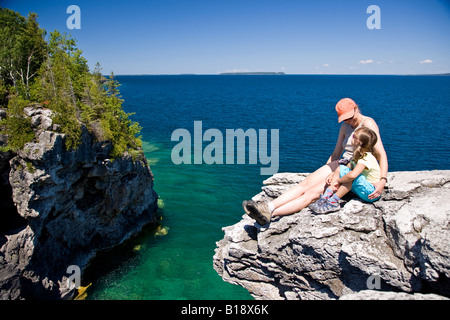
x: 367, y: 138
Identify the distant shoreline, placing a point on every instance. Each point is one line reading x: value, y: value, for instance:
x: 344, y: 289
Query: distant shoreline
x: 281, y: 73
x: 252, y: 73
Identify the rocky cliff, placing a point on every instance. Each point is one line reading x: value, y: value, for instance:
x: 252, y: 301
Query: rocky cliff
x: 396, y: 248
x: 59, y: 208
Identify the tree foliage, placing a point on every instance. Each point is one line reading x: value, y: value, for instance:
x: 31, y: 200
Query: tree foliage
x: 22, y: 49
x: 54, y: 72
x: 17, y: 127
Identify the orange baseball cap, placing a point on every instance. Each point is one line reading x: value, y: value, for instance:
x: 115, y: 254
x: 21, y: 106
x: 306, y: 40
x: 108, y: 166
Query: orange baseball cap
x: 345, y: 109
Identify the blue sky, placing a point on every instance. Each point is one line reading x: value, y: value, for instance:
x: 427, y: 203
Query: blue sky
x: 293, y: 36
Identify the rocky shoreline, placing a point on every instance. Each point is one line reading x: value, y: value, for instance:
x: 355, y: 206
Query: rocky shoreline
x: 395, y: 248
x: 60, y: 208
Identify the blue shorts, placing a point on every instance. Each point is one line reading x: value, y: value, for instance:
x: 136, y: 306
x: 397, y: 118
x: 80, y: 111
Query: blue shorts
x: 360, y: 185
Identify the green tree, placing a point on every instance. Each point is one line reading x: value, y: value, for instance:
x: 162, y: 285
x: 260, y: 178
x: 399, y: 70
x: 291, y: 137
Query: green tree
x: 33, y: 45
x: 17, y: 126
x: 113, y: 85
x: 64, y: 75
x: 11, y: 26
x: 55, y: 72
x: 22, y: 49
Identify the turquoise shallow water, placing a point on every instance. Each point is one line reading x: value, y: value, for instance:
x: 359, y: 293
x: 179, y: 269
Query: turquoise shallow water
x: 412, y: 112
x: 197, y: 202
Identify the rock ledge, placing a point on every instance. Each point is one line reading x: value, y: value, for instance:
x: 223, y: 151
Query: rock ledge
x: 399, y: 246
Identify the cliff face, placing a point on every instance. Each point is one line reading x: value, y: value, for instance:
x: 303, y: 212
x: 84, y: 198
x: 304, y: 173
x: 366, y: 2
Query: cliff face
x: 398, y: 247
x: 59, y: 208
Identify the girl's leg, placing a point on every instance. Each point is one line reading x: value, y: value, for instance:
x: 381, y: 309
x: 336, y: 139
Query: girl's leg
x: 363, y: 188
x: 301, y: 202
x: 344, y: 189
x: 310, y: 182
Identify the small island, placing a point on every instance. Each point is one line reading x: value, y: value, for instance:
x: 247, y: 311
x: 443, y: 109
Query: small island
x: 252, y: 73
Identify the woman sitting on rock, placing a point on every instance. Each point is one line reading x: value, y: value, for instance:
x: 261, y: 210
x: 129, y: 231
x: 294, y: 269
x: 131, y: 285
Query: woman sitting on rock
x: 309, y: 190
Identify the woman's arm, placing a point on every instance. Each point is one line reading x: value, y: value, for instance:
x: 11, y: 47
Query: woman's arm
x: 334, y: 176
x: 379, y: 186
x: 338, y: 148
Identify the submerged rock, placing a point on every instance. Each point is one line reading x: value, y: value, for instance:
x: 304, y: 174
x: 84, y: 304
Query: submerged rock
x: 400, y: 243
x: 62, y: 207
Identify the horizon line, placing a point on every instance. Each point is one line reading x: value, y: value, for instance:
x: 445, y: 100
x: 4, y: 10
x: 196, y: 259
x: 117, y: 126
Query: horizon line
x: 285, y: 74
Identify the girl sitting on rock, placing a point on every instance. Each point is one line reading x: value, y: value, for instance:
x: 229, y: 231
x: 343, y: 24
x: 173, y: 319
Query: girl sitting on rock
x: 363, y: 172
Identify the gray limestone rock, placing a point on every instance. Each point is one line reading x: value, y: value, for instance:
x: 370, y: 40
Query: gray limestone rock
x: 63, y: 207
x: 397, y: 244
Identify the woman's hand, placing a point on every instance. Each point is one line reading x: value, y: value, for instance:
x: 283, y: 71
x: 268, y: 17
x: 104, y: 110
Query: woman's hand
x: 335, y: 186
x: 379, y: 186
x: 329, y: 179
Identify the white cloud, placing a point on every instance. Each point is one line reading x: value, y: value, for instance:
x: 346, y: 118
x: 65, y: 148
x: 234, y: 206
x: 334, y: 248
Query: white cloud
x: 366, y: 61
x: 426, y: 61
x: 325, y: 65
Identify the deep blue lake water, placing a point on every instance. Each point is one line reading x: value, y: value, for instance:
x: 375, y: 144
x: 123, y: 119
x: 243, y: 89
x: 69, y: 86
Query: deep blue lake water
x: 412, y: 112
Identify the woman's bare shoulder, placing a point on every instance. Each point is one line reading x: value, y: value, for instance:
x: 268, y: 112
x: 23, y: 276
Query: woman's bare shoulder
x: 370, y: 123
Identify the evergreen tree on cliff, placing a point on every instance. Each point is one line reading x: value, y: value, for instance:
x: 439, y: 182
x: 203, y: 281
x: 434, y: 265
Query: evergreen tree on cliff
x: 54, y: 73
